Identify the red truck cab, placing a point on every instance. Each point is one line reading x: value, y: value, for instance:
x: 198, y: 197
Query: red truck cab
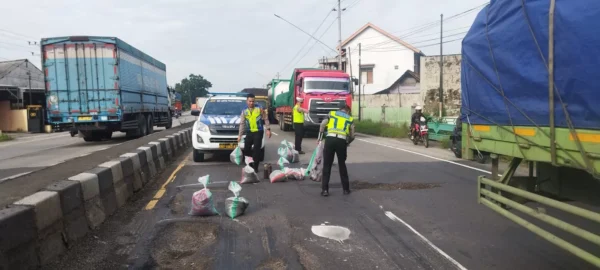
x: 323, y: 91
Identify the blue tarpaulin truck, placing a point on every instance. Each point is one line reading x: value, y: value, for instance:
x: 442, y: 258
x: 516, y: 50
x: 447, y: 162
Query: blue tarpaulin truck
x: 530, y: 92
x: 100, y: 85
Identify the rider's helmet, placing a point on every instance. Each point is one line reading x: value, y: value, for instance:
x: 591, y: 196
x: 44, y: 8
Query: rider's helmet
x: 418, y: 109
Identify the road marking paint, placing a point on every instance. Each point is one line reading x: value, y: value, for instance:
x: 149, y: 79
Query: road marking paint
x: 275, y: 133
x: 14, y: 176
x: 393, y: 217
x: 428, y: 156
x: 162, y: 190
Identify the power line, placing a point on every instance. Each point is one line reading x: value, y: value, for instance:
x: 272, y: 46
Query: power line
x: 432, y: 39
x: 309, y: 49
x: 424, y: 46
x: 445, y: 31
x: 308, y: 41
x: 16, y: 34
x: 419, y: 29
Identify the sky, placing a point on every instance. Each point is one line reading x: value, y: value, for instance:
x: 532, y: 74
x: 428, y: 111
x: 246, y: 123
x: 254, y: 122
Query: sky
x: 234, y: 44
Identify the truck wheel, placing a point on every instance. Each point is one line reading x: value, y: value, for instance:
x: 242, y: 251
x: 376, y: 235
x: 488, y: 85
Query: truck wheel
x: 169, y: 122
x: 92, y: 136
x: 280, y: 122
x: 198, y: 157
x: 142, y: 126
x: 483, y: 159
x: 150, y: 124
x: 107, y: 135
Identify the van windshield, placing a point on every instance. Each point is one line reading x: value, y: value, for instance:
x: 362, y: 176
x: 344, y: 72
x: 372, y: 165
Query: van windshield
x: 224, y: 107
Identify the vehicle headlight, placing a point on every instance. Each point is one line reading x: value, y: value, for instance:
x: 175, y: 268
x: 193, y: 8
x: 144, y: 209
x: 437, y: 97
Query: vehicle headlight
x: 201, y: 127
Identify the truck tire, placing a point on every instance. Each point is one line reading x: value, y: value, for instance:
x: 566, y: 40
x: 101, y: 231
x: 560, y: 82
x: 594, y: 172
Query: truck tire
x: 169, y: 122
x: 150, y: 124
x: 198, y: 157
x: 92, y: 136
x: 107, y: 135
x: 142, y: 125
x: 281, y: 122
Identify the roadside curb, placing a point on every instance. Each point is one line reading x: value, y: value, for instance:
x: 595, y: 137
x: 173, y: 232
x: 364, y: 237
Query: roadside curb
x: 40, y: 227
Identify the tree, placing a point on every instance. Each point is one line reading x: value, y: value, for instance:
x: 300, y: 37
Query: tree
x: 192, y: 87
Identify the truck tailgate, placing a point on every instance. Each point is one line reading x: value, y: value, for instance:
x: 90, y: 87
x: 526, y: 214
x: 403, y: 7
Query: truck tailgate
x: 81, y: 79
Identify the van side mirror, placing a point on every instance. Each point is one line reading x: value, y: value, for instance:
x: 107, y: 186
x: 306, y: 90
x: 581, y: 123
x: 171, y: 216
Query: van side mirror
x: 195, y: 112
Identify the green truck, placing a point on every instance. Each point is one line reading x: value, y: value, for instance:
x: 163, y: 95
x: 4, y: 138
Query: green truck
x: 530, y: 92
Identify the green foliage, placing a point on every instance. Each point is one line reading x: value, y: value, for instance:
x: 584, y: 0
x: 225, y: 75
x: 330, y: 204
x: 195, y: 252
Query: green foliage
x: 445, y: 143
x: 382, y: 129
x: 192, y: 87
x: 5, y: 137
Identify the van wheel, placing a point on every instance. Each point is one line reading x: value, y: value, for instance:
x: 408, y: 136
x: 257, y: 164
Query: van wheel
x: 198, y: 157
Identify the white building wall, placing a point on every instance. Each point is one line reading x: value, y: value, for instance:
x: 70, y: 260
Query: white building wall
x: 385, y: 54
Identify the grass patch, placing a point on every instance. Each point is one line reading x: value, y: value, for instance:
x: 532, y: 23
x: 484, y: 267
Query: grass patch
x: 382, y: 129
x: 445, y: 143
x: 5, y: 137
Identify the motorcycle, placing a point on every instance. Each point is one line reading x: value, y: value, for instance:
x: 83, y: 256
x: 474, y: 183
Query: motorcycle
x: 456, y: 139
x: 420, y: 132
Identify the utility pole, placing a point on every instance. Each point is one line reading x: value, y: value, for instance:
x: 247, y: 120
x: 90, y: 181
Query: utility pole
x: 359, y: 83
x: 350, y: 66
x: 29, y: 76
x: 441, y: 65
x: 339, y: 35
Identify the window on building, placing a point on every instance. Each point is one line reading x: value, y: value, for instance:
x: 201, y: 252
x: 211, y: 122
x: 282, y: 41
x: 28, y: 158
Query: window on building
x: 366, y: 74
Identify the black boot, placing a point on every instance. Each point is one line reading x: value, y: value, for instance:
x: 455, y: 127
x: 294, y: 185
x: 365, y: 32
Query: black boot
x: 324, y: 193
x: 346, y: 192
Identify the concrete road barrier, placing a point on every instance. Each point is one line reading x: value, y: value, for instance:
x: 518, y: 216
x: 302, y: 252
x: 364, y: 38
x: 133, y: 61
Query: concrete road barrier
x: 40, y: 227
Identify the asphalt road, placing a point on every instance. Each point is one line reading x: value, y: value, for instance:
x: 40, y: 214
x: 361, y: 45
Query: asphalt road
x: 30, y: 153
x: 412, y: 208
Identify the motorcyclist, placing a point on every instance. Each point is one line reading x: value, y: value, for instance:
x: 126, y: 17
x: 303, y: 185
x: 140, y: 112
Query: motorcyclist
x: 414, y: 119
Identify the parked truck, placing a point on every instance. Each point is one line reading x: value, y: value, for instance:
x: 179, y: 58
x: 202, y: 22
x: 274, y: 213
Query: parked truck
x: 323, y: 90
x: 276, y: 87
x: 530, y: 92
x: 102, y: 85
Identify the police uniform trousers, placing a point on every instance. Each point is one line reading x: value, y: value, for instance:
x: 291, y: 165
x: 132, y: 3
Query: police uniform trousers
x: 299, y: 134
x: 335, y: 146
x: 254, y: 138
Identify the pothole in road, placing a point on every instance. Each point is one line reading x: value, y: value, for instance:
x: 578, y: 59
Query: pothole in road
x: 185, y: 245
x: 392, y: 186
x: 272, y: 264
x: 177, y: 205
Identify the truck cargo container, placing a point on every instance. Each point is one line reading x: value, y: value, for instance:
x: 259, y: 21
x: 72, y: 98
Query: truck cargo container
x: 530, y: 92
x: 102, y: 85
x: 276, y: 87
x: 323, y: 90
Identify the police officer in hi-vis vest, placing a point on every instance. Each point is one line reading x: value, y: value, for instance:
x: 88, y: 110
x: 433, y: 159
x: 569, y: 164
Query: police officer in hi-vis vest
x: 298, y: 115
x: 340, y: 133
x: 254, y: 121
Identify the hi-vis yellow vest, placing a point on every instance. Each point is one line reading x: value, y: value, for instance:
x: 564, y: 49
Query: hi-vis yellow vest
x: 339, y: 123
x: 253, y: 119
x: 298, y: 115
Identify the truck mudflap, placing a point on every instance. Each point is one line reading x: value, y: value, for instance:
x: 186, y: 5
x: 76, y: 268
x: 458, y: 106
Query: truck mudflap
x: 510, y: 192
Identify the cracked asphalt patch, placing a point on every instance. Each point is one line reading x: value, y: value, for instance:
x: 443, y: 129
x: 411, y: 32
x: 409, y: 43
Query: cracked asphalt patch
x: 272, y: 264
x: 392, y: 186
x: 185, y: 245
